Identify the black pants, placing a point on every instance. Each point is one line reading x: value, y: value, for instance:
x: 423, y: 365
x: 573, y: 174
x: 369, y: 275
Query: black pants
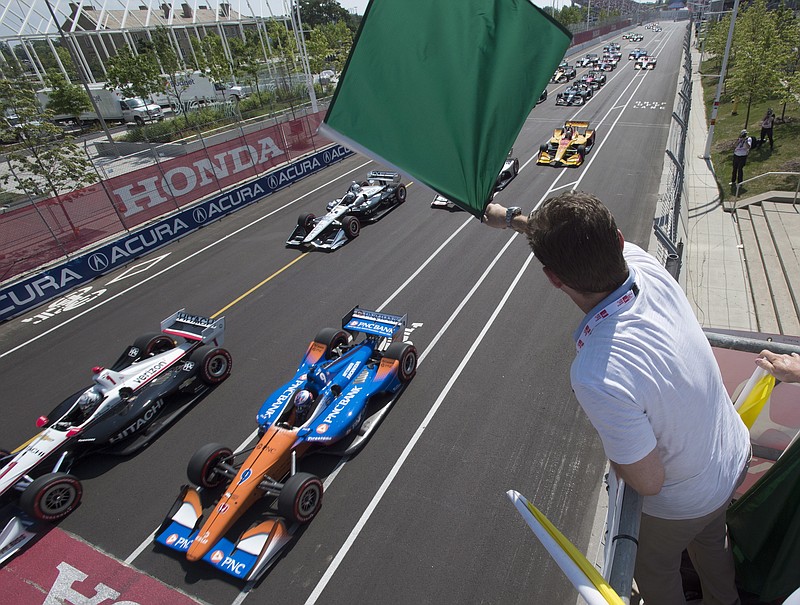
x: 767, y: 132
x: 738, y: 168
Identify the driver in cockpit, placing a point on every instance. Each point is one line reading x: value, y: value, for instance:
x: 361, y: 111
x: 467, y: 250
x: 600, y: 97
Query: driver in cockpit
x: 88, y: 402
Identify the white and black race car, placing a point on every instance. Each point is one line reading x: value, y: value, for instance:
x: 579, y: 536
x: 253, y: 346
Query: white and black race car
x: 128, y: 404
x: 364, y: 202
x: 507, y: 174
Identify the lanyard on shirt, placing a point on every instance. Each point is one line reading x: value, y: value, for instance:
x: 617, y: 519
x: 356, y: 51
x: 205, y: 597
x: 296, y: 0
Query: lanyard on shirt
x: 623, y: 302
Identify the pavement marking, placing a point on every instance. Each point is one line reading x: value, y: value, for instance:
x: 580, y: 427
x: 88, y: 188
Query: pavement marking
x: 176, y: 264
x: 337, y: 560
x: 258, y: 285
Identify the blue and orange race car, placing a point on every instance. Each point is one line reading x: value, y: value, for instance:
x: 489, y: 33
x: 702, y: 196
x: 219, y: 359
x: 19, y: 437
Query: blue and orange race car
x: 347, y: 381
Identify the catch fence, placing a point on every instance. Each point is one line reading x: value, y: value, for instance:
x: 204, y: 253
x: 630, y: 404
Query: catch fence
x: 137, y: 187
x: 667, y: 221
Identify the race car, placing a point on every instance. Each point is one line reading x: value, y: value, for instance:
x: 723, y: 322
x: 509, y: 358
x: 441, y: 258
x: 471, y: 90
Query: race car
x: 577, y: 94
x: 608, y: 63
x: 636, y: 53
x: 564, y: 73
x: 590, y: 60
x: 364, y: 202
x: 154, y: 381
x: 645, y: 62
x: 568, y: 146
x: 508, y: 172
x: 593, y: 79
x: 347, y: 381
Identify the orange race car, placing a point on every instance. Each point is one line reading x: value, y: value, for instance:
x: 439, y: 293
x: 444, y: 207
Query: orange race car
x: 568, y: 145
x: 347, y: 381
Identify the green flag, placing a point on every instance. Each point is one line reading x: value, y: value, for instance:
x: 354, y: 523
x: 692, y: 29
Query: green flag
x: 439, y: 89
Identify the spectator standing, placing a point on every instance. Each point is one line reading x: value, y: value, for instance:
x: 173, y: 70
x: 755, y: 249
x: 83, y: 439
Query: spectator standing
x: 646, y: 377
x: 766, y: 127
x: 740, y: 151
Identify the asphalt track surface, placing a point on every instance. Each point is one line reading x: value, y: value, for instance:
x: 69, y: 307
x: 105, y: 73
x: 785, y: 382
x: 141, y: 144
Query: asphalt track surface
x: 420, y: 514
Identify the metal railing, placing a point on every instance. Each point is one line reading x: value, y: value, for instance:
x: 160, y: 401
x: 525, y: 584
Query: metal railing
x: 758, y: 176
x: 620, y: 572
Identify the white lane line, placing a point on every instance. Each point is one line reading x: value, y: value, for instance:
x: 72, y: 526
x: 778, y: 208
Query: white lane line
x: 252, y: 436
x: 320, y: 587
x: 176, y: 264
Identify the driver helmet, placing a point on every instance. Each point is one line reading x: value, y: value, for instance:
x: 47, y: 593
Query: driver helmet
x: 302, y: 402
x: 355, y: 187
x: 349, y: 197
x: 88, y: 401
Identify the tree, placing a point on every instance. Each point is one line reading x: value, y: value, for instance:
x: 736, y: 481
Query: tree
x: 284, y: 50
x: 320, y: 12
x: 211, y: 57
x: 44, y: 160
x: 65, y: 98
x: 248, y: 58
x: 134, y: 75
x: 754, y: 74
x: 174, y: 69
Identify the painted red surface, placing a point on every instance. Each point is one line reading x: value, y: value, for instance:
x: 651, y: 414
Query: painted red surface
x: 59, y: 568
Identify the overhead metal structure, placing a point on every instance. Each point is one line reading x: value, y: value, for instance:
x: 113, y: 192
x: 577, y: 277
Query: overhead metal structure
x: 97, y: 29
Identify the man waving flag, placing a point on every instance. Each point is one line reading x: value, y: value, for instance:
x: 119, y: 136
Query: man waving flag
x: 439, y: 89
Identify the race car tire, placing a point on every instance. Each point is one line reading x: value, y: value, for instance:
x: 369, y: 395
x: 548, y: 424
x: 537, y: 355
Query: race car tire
x: 579, y: 100
x: 401, y: 194
x: 516, y: 167
x: 51, y: 497
x: 406, y: 355
x: 542, y: 148
x: 351, y: 226
x: 331, y: 338
x: 581, y: 152
x: 214, y: 363
x: 202, y: 466
x: 306, y: 221
x: 152, y: 344
x: 300, y: 498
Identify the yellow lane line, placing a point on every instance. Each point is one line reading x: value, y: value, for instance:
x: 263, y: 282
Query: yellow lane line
x: 257, y: 286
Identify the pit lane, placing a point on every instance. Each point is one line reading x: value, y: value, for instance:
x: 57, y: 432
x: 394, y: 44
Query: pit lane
x: 420, y: 514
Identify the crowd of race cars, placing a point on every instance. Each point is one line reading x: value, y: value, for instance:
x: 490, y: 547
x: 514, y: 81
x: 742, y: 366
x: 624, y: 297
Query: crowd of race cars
x: 346, y: 382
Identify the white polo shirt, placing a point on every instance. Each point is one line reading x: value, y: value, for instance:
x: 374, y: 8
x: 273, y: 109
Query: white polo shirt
x: 647, y: 378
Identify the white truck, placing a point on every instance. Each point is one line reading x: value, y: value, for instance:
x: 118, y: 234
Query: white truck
x: 195, y: 88
x: 113, y: 107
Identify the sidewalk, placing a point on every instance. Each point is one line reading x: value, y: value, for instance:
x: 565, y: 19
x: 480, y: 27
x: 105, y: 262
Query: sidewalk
x: 714, y: 272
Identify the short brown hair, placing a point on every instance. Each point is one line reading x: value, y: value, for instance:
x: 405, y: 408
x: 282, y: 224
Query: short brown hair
x: 575, y: 236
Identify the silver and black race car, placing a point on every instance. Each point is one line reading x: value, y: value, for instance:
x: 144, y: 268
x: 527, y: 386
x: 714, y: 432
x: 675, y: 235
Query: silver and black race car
x: 364, y: 202
x: 508, y: 173
x: 129, y: 404
x: 577, y: 94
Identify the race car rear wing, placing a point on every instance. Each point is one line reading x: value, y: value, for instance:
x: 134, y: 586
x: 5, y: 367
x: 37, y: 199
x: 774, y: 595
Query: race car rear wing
x: 576, y: 124
x: 194, y: 327
x: 384, y: 177
x: 377, y: 324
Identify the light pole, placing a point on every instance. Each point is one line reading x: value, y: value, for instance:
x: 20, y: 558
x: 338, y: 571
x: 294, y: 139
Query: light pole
x: 715, y: 107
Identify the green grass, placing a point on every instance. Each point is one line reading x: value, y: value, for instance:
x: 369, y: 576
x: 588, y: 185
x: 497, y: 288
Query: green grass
x: 10, y: 199
x: 786, y: 132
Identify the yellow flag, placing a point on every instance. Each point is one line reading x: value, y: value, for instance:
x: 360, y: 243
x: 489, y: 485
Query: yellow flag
x: 754, y: 395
